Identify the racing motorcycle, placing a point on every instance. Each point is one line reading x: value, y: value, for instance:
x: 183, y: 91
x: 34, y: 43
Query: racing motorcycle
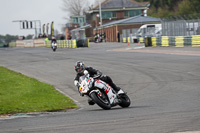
x: 102, y: 93
x: 54, y: 46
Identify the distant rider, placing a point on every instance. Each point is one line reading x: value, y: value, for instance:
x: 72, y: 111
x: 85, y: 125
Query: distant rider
x: 53, y: 41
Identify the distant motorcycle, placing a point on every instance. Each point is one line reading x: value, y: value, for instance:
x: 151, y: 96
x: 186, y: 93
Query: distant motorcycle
x: 54, y: 46
x: 102, y: 93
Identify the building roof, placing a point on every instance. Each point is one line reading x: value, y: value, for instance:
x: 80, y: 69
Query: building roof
x: 81, y: 28
x: 121, y: 4
x: 132, y: 20
x: 83, y: 16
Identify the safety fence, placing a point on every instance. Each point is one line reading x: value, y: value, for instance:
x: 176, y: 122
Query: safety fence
x: 187, y: 25
x: 12, y: 44
x: 177, y: 41
x: 70, y: 43
x: 43, y: 43
x: 132, y: 39
x: 165, y: 41
x: 63, y: 44
x: 129, y: 35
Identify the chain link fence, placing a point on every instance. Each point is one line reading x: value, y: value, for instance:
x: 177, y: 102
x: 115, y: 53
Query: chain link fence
x: 181, y: 26
x: 129, y: 35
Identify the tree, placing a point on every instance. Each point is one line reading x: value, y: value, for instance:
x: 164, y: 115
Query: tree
x: 167, y: 8
x: 164, y: 12
x: 75, y: 7
x: 189, y: 7
x: 7, y: 38
x: 29, y: 36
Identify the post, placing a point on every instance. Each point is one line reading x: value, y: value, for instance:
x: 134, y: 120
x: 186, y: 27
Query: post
x: 100, y: 14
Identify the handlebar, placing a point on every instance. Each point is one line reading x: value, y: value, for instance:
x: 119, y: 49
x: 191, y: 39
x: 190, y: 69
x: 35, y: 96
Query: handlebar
x: 97, y: 76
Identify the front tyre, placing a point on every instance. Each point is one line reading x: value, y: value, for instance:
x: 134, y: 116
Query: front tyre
x: 54, y: 49
x: 125, y: 101
x: 102, y: 101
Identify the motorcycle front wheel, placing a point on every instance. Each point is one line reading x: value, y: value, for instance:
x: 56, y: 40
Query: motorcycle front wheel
x: 54, y: 49
x: 102, y: 100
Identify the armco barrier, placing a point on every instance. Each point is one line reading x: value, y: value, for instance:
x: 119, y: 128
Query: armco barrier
x: 154, y: 41
x: 43, y: 43
x: 124, y: 39
x: 159, y: 41
x: 20, y: 43
x: 177, y: 41
x: 12, y: 44
x: 82, y: 43
x: 165, y: 41
x: 129, y: 39
x: 195, y: 41
x: 30, y: 43
x: 187, y: 41
x: 63, y: 44
x: 172, y: 41
x: 148, y: 42
x: 141, y: 39
x: 69, y: 43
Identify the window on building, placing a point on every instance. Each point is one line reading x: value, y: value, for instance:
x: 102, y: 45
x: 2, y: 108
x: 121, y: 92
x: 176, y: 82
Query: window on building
x: 138, y: 12
x: 132, y: 13
x: 75, y: 20
x: 126, y: 14
x: 114, y: 14
x: 107, y: 15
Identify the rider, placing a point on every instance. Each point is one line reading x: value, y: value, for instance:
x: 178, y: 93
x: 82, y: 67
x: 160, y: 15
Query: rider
x: 53, y: 41
x: 80, y: 67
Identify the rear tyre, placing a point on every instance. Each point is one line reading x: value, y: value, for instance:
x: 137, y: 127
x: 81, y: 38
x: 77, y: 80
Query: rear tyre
x: 125, y: 101
x: 102, y: 101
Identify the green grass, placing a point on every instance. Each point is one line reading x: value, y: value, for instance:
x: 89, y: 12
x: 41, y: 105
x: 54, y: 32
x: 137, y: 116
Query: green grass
x: 21, y: 94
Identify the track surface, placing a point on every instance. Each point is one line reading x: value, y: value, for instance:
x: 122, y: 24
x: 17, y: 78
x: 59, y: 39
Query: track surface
x: 163, y: 84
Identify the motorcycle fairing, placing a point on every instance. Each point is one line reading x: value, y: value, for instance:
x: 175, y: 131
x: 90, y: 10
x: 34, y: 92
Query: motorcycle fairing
x: 108, y: 90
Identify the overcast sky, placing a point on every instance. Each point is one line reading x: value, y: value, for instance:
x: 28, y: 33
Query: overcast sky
x: 44, y: 10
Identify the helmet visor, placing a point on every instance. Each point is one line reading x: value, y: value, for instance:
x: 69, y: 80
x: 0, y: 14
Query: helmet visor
x: 78, y: 69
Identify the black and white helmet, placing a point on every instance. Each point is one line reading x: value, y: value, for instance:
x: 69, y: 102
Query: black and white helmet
x: 79, y: 67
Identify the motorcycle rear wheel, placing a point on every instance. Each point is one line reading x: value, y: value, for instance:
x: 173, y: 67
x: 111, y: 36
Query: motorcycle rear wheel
x: 99, y: 100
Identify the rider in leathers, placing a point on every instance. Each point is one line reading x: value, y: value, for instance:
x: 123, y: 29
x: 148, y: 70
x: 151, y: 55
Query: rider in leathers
x: 80, y: 67
x: 53, y: 42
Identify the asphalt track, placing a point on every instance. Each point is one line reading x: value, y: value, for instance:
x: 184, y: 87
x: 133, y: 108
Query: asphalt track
x: 163, y: 84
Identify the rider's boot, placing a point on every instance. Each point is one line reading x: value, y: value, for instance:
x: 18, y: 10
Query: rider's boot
x: 120, y: 92
x: 117, y: 89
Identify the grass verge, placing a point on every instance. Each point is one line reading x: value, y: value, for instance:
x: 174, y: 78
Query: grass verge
x: 21, y: 94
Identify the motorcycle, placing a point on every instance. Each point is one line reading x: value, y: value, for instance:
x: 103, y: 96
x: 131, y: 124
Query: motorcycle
x: 54, y: 46
x: 102, y: 93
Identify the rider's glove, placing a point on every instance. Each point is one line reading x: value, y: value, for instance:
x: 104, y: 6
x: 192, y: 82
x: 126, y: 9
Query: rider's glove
x: 76, y: 83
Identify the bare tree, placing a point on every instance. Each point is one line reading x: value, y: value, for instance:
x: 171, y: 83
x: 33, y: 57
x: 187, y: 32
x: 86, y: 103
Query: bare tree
x: 75, y: 7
